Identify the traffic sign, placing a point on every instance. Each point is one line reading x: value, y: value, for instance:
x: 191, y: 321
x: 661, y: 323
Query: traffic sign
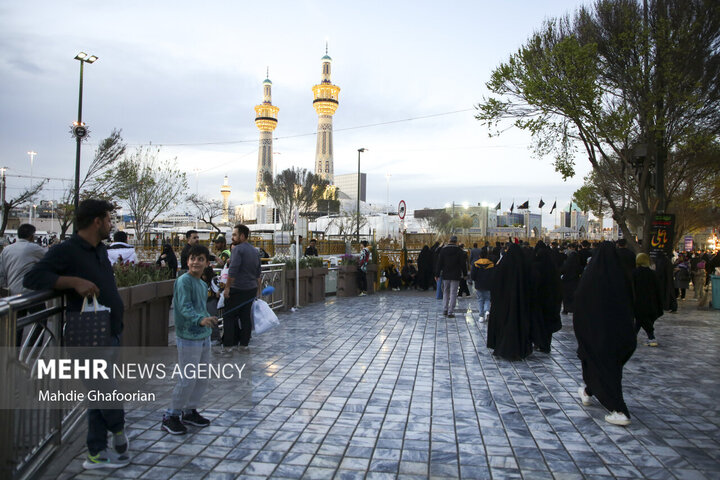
x: 401, y: 209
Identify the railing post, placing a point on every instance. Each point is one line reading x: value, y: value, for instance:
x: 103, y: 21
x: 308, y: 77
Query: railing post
x: 8, y: 322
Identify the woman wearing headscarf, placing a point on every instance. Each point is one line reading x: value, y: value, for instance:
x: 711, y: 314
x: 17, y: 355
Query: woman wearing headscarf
x: 509, y: 323
x: 648, y: 298
x: 546, y: 297
x: 168, y: 259
x: 425, y: 268
x: 571, y: 270
x: 603, y: 323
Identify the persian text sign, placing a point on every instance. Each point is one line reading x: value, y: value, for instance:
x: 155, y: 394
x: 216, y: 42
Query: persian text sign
x: 661, y: 234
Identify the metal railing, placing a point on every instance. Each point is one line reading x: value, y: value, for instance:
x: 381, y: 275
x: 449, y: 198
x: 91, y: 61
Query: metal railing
x: 29, y: 324
x: 273, y: 275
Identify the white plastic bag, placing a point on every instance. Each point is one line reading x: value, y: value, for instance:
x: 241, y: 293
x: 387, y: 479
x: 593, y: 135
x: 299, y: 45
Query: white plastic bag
x: 263, y: 317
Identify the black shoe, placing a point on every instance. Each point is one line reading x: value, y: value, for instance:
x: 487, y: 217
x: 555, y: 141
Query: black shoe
x: 451, y: 315
x: 173, y: 425
x: 194, y: 418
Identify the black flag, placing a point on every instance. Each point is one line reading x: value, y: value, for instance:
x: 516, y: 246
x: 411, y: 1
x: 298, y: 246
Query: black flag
x: 525, y: 205
x: 541, y: 204
x: 512, y: 207
x: 498, y: 206
x: 554, y: 206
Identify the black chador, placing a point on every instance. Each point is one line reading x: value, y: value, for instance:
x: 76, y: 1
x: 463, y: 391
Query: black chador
x: 603, y: 323
x: 546, y: 297
x: 509, y: 324
x: 571, y: 271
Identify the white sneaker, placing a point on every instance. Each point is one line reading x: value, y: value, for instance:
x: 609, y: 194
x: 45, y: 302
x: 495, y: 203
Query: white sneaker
x: 617, y: 418
x: 487, y: 316
x: 584, y: 397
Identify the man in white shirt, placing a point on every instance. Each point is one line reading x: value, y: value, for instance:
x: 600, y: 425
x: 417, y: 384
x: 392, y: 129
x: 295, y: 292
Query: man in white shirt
x: 120, y: 251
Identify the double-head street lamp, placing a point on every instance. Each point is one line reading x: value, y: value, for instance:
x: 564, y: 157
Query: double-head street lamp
x: 357, y: 234
x: 79, y: 130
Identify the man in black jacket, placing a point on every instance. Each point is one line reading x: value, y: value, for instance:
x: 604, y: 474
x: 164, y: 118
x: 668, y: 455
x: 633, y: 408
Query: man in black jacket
x: 451, y: 266
x: 192, y: 238
x: 81, y: 267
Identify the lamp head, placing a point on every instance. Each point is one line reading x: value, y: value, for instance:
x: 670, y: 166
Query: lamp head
x: 361, y: 149
x: 81, y: 56
x: 91, y: 59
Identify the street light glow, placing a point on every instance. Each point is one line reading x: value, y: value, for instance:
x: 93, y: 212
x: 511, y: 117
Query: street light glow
x: 81, y: 56
x: 91, y: 59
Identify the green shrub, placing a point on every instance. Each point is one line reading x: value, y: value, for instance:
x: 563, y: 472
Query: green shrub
x: 129, y: 275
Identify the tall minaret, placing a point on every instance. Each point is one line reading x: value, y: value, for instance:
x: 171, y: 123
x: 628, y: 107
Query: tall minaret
x: 225, y: 192
x: 266, y: 121
x: 326, y: 102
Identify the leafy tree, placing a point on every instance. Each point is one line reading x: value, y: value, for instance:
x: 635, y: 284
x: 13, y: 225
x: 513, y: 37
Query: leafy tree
x: 207, y: 209
x: 145, y: 185
x: 294, y: 188
x: 26, y: 195
x: 94, y: 184
x: 611, y: 77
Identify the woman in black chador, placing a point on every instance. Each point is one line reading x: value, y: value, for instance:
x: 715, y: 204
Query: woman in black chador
x: 547, y: 295
x: 603, y: 323
x: 571, y: 270
x: 509, y: 323
x: 425, y: 268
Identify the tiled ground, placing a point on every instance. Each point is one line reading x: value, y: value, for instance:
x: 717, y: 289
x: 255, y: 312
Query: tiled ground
x: 385, y: 387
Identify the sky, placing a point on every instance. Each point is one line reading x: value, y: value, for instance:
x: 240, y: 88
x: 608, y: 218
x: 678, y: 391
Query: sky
x: 185, y: 76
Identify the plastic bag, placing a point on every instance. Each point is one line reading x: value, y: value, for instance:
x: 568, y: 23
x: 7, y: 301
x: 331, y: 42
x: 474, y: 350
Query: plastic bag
x: 263, y: 317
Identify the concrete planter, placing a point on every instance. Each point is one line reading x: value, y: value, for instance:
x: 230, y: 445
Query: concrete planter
x: 146, y: 318
x: 347, y: 281
x: 317, y: 284
x: 372, y: 270
x: 304, y: 299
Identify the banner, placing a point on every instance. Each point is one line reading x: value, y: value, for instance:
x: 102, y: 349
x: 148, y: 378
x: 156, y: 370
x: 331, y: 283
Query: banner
x: 688, y: 243
x: 661, y: 234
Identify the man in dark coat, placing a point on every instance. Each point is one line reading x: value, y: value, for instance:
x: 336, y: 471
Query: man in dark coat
x: 509, y: 322
x: 648, y: 298
x: 451, y: 266
x: 570, y: 270
x: 603, y: 323
x: 546, y: 297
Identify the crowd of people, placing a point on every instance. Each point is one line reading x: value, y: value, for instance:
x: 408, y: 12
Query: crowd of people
x: 611, y: 292
x: 522, y: 292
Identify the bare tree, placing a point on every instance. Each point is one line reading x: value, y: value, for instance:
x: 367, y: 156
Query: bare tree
x: 294, y: 188
x: 94, y: 184
x: 19, y: 200
x: 207, y: 209
x: 347, y: 224
x: 146, y: 186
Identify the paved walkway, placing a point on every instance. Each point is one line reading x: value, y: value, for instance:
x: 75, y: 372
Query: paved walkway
x: 385, y: 387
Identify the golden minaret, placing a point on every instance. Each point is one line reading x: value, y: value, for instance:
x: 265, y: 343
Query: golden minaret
x: 266, y: 121
x: 326, y: 102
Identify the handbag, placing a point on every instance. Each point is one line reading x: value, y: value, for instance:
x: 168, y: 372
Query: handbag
x: 90, y: 327
x: 263, y: 317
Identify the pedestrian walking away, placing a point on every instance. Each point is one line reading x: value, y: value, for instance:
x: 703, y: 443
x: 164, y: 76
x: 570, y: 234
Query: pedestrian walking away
x: 450, y: 268
x: 603, y: 324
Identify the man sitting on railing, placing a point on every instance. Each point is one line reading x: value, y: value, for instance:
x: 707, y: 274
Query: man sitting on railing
x: 80, y: 266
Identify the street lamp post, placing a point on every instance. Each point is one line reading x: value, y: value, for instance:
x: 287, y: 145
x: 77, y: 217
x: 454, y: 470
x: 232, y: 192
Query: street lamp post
x: 32, y: 157
x: 360, y: 150
x: 79, y: 130
x: 2, y: 191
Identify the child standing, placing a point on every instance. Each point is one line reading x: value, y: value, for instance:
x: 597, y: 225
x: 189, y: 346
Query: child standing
x: 193, y: 326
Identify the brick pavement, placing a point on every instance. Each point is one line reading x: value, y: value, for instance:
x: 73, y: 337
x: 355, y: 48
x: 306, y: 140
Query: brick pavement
x: 385, y: 387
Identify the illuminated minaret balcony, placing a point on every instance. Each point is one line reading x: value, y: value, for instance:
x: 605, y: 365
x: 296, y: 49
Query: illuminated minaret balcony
x: 266, y: 121
x: 326, y: 101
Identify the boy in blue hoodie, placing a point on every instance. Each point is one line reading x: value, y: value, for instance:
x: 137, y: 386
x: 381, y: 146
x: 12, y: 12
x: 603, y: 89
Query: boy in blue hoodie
x: 193, y: 326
